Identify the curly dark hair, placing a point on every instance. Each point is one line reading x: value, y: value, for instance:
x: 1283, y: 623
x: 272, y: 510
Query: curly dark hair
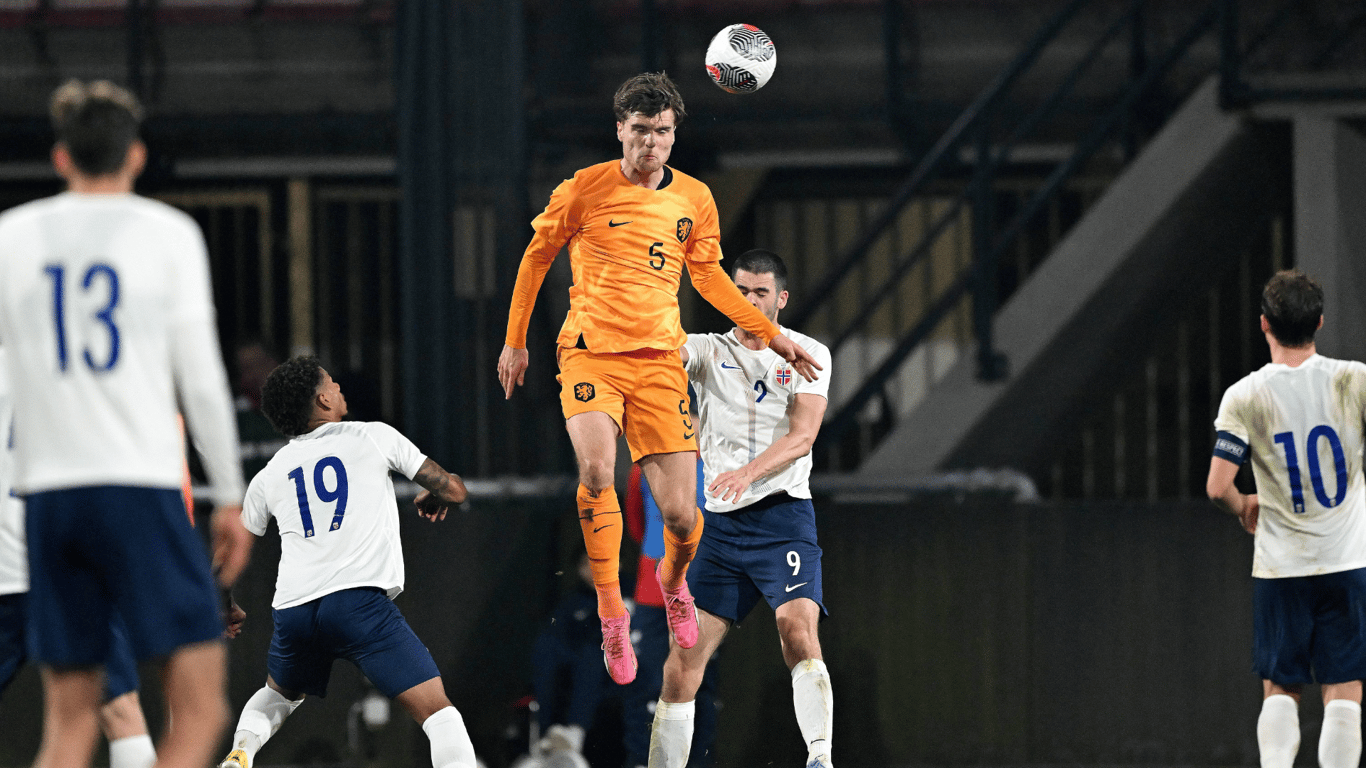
x: 648, y: 93
x: 287, y: 397
x: 1292, y: 303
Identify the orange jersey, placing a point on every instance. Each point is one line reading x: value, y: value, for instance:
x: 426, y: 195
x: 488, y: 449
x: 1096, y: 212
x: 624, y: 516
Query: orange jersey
x: 628, y: 246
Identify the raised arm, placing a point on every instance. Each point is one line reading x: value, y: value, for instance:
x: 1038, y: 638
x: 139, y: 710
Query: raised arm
x: 717, y: 288
x: 804, y: 422
x: 440, y: 489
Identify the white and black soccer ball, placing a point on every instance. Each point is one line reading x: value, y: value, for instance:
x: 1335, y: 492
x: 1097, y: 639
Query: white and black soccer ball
x: 741, y: 58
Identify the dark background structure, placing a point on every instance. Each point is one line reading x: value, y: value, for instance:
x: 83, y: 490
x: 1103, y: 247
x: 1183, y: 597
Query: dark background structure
x: 1054, y: 590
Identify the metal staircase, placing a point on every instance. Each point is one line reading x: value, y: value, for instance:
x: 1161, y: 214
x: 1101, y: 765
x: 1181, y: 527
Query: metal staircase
x: 956, y: 193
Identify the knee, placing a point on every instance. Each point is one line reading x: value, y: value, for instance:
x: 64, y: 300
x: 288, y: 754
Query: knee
x: 799, y: 638
x: 122, y: 717
x: 677, y: 511
x: 596, y: 475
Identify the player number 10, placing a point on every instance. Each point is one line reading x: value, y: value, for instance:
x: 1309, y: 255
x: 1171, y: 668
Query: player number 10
x: 1311, y: 449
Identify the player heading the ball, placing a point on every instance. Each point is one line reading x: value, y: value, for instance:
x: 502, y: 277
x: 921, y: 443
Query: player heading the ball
x: 632, y: 225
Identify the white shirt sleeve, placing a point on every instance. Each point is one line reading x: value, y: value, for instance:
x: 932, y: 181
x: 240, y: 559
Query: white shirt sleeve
x: 402, y: 455
x: 197, y: 363
x: 1230, y: 418
x: 255, y: 511
x: 820, y: 386
x: 696, y: 346
x: 1360, y: 370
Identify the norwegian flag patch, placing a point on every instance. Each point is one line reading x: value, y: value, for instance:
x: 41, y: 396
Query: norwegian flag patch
x: 783, y: 375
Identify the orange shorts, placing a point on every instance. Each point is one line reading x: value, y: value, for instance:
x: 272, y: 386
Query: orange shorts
x: 645, y: 392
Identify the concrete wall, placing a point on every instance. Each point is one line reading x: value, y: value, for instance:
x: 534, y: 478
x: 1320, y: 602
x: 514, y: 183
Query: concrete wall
x: 1330, y: 230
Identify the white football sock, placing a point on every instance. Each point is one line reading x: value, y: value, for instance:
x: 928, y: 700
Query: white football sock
x: 671, y: 737
x: 1278, y: 731
x: 451, y: 745
x: 132, y: 752
x: 1340, y: 739
x: 814, y: 701
x: 260, y: 719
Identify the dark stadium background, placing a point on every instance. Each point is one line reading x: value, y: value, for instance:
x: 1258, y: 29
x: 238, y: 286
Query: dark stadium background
x: 1049, y: 586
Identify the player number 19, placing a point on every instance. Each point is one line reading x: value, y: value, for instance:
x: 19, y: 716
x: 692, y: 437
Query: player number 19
x: 325, y: 495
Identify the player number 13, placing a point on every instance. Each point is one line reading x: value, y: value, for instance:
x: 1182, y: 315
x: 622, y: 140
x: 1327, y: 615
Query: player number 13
x: 104, y: 316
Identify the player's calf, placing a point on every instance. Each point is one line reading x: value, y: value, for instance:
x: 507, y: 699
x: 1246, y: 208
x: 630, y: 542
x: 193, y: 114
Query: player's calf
x: 263, y: 715
x: 450, y: 742
x: 671, y: 737
x: 1278, y: 731
x: 1340, y: 739
x: 601, y: 523
x: 814, y: 702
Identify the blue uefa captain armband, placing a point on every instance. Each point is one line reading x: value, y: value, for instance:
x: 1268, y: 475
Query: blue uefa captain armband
x: 1227, y: 446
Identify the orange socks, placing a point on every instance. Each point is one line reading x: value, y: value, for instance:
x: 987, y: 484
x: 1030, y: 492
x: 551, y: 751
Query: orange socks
x: 678, y: 554
x: 600, y: 519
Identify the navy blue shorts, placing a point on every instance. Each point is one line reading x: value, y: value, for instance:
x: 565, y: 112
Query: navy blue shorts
x: 120, y: 669
x: 360, y: 625
x: 768, y: 548
x: 98, y: 550
x: 1310, y: 629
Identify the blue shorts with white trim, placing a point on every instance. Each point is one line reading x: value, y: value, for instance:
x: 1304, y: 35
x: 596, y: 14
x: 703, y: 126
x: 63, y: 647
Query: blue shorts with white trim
x: 767, y: 549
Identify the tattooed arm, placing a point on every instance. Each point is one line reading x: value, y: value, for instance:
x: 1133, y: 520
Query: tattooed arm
x: 440, y: 489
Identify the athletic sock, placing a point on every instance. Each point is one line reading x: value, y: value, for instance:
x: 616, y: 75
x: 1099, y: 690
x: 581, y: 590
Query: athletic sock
x: 671, y: 737
x: 132, y: 752
x: 451, y: 745
x: 678, y: 553
x: 260, y: 719
x: 814, y: 702
x: 1340, y: 739
x: 1278, y: 731
x: 600, y: 519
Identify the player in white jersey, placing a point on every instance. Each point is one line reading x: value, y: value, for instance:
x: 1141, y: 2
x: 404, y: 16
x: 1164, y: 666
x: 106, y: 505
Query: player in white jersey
x: 759, y: 419
x: 121, y: 717
x: 1300, y: 420
x: 107, y: 316
x: 341, y: 562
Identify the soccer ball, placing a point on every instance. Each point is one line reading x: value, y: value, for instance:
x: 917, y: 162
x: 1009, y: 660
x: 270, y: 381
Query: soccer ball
x: 741, y: 58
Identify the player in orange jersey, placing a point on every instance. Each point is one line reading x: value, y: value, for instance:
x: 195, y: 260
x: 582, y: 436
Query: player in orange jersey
x: 632, y: 225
